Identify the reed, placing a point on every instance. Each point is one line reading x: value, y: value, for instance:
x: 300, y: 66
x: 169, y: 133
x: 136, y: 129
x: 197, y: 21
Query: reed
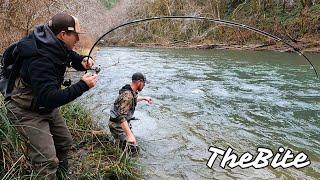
x: 94, y: 156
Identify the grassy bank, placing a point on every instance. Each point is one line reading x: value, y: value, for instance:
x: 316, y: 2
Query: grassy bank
x: 93, y: 155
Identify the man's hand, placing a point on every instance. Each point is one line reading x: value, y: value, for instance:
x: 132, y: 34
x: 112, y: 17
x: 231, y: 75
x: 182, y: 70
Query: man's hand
x: 87, y: 62
x: 145, y: 98
x: 148, y: 99
x: 131, y: 139
x: 90, y: 79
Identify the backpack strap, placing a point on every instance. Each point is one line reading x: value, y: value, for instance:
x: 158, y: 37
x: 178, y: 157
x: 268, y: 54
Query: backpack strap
x: 8, y: 71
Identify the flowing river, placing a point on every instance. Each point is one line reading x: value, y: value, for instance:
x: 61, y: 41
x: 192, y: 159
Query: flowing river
x: 220, y: 98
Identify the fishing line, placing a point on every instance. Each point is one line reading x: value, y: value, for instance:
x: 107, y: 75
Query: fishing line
x: 219, y: 21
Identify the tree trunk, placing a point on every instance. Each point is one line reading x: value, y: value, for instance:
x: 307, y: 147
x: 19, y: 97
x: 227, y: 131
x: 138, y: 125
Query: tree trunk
x: 306, y: 3
x: 218, y: 9
x: 283, y: 5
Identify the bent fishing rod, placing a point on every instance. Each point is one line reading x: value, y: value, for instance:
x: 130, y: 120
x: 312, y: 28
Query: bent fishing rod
x: 218, y: 21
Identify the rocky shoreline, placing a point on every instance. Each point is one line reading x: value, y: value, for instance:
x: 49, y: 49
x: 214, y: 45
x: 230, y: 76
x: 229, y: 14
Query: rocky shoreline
x: 312, y: 47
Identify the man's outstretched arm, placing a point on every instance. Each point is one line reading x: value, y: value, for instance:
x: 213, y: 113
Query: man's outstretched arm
x: 145, y: 98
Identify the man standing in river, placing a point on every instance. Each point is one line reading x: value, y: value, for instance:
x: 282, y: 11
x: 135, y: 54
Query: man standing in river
x: 37, y: 92
x: 123, y: 110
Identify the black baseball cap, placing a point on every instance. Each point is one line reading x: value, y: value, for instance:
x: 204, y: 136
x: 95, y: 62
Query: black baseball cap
x: 139, y: 77
x: 64, y: 22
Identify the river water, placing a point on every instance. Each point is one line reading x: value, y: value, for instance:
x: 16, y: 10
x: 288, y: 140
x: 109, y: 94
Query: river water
x: 220, y: 98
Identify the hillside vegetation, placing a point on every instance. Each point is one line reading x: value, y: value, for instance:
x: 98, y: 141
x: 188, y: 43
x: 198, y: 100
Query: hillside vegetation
x: 297, y: 22
x: 19, y: 17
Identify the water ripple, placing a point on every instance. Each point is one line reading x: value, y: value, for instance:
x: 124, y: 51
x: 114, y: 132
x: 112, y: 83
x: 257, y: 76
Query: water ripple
x: 212, y: 97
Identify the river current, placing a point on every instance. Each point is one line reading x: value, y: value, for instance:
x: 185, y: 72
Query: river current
x: 220, y: 98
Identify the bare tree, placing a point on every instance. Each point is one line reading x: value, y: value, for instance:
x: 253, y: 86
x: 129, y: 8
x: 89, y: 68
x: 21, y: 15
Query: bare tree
x: 18, y: 17
x: 306, y: 3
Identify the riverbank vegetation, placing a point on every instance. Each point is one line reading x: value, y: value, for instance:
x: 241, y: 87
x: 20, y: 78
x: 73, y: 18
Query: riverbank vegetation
x: 93, y: 156
x: 296, y: 21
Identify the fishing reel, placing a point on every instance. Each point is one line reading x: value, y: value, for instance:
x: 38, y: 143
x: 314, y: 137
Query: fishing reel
x: 67, y: 83
x: 96, y: 69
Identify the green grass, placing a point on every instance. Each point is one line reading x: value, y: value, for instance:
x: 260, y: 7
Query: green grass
x: 13, y: 161
x: 102, y: 158
x: 108, y: 3
x: 93, y: 157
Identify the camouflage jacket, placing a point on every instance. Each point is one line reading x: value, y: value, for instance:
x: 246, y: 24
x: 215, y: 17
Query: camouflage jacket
x: 124, y: 106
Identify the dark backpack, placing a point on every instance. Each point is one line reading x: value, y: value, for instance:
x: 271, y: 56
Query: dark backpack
x: 9, y: 69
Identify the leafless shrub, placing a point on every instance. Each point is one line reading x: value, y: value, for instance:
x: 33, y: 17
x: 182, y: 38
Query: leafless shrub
x: 18, y: 17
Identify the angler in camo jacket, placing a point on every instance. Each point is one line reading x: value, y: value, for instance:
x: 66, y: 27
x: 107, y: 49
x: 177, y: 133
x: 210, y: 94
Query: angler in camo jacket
x: 123, y: 109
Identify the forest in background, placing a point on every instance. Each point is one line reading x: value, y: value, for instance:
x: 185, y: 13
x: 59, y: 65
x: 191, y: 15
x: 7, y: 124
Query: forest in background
x: 296, y: 21
x: 18, y: 17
